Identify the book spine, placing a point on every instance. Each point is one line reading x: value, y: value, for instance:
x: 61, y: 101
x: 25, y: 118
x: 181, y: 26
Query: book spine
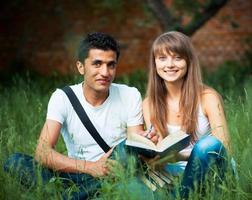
x: 148, y: 183
x: 156, y: 178
x: 164, y: 176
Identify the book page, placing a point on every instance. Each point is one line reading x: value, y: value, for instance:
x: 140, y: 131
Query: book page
x: 170, y: 140
x: 134, y: 139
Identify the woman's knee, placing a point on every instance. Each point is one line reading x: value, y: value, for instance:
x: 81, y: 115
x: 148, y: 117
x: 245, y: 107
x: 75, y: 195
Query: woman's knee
x: 208, y: 145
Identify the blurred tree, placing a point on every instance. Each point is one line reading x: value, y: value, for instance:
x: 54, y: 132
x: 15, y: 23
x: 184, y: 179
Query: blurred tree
x: 184, y: 15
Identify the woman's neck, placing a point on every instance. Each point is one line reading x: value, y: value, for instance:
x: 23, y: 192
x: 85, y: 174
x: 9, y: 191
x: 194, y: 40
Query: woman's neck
x: 174, y: 90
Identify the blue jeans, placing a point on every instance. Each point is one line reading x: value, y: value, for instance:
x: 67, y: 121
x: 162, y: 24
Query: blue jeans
x: 208, y: 154
x: 25, y: 169
x: 30, y: 173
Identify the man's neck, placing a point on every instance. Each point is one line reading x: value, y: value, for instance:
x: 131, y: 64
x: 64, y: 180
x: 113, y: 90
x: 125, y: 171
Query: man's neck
x: 93, y: 97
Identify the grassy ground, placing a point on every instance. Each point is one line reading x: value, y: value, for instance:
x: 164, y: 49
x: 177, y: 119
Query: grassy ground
x: 23, y: 109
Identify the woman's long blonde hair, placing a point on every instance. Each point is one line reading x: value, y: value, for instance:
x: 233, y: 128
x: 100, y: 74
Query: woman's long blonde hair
x: 179, y: 44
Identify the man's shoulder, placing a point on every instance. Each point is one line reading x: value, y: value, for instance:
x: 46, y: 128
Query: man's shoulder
x: 60, y: 94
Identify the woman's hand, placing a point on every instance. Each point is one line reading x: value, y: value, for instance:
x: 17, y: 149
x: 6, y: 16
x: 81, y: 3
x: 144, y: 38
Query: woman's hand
x: 151, y: 135
x: 159, y: 163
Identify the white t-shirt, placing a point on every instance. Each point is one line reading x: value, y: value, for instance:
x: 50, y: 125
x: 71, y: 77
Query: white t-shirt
x: 122, y: 108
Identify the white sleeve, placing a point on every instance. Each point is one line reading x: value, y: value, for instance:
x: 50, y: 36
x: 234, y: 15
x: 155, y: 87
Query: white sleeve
x: 135, y: 114
x: 56, y: 109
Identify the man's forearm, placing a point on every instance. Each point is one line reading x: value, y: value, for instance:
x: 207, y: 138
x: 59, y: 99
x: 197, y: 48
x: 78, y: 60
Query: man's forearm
x: 59, y: 162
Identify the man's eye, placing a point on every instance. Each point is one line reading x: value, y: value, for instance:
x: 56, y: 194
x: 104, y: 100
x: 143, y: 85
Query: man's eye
x: 97, y: 64
x: 112, y: 65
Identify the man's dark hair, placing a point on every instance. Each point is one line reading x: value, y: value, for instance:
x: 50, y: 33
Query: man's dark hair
x: 97, y: 40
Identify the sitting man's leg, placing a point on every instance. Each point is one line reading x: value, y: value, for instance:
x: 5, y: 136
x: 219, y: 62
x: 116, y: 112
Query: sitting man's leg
x: 208, y: 153
x: 85, y: 185
x: 25, y: 169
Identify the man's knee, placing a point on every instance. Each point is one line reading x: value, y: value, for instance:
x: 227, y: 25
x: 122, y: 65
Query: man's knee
x: 13, y: 161
x: 17, y: 162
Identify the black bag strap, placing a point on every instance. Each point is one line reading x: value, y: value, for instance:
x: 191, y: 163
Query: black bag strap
x: 85, y: 119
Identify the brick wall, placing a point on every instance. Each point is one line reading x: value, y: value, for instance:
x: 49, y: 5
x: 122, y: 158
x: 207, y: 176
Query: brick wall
x: 43, y: 35
x: 227, y: 36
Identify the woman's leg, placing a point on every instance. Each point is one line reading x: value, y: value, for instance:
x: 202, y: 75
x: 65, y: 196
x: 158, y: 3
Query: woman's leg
x: 208, y: 153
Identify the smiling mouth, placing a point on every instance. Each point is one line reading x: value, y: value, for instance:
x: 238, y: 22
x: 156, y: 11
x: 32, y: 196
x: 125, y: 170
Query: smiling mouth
x: 103, y: 81
x: 171, y: 71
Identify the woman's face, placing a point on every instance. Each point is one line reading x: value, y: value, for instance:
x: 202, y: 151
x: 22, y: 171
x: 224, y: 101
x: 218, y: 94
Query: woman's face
x: 170, y: 67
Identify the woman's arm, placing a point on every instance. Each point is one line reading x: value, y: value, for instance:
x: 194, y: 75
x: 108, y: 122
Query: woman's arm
x: 213, y: 108
x: 146, y: 113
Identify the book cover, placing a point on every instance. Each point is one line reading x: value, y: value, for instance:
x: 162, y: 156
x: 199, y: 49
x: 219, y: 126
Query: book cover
x: 172, y: 143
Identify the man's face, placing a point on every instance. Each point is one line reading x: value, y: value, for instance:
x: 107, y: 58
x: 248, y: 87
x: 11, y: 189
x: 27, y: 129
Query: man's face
x: 99, y: 70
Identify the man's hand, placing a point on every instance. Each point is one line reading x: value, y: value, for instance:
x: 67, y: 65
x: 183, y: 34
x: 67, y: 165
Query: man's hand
x: 102, y: 166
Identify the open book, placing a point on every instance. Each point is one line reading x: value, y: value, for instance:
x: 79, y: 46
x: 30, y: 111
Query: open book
x: 171, y: 143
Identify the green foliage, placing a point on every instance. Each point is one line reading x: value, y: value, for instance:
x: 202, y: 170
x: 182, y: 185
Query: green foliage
x: 230, y: 78
x: 137, y: 79
x: 188, y: 7
x: 23, y: 110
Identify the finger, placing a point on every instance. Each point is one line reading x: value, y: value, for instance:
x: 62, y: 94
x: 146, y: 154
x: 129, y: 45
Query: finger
x: 143, y: 133
x: 106, y: 155
x: 157, y: 157
x: 111, y: 163
x: 154, y: 139
x: 153, y: 134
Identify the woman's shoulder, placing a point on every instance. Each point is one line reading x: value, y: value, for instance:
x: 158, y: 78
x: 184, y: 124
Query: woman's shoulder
x: 209, y: 92
x: 210, y: 98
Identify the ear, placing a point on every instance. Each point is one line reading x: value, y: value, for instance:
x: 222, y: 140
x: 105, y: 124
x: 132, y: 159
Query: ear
x: 80, y: 67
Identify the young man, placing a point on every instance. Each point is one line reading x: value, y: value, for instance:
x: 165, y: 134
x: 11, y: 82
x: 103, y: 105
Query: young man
x: 113, y: 109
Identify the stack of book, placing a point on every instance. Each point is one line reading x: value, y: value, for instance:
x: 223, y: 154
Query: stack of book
x: 157, y: 179
x: 165, y: 148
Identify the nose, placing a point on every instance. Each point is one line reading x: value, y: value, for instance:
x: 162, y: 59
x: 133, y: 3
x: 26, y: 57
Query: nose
x: 104, y: 70
x: 169, y: 62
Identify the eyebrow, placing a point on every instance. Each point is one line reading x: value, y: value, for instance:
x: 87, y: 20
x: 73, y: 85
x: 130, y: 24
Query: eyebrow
x: 96, y: 61
x: 100, y: 61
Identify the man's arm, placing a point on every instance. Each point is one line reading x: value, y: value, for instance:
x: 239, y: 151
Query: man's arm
x: 135, y: 129
x: 49, y: 157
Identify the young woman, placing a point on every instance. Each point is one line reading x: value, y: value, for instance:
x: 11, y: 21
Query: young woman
x: 178, y: 100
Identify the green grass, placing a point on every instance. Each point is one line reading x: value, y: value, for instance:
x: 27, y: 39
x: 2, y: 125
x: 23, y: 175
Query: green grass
x: 23, y: 109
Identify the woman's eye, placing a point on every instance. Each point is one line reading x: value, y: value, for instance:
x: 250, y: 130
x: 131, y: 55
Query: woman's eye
x: 178, y: 57
x: 162, y: 58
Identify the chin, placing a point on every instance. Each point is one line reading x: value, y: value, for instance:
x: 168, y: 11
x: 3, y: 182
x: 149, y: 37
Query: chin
x: 103, y: 89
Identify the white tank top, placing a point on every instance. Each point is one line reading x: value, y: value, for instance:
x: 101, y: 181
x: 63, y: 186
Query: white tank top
x: 203, y: 128
x: 203, y: 125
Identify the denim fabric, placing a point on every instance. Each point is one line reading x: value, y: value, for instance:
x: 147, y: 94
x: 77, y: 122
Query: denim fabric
x: 25, y: 169
x: 208, y: 154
